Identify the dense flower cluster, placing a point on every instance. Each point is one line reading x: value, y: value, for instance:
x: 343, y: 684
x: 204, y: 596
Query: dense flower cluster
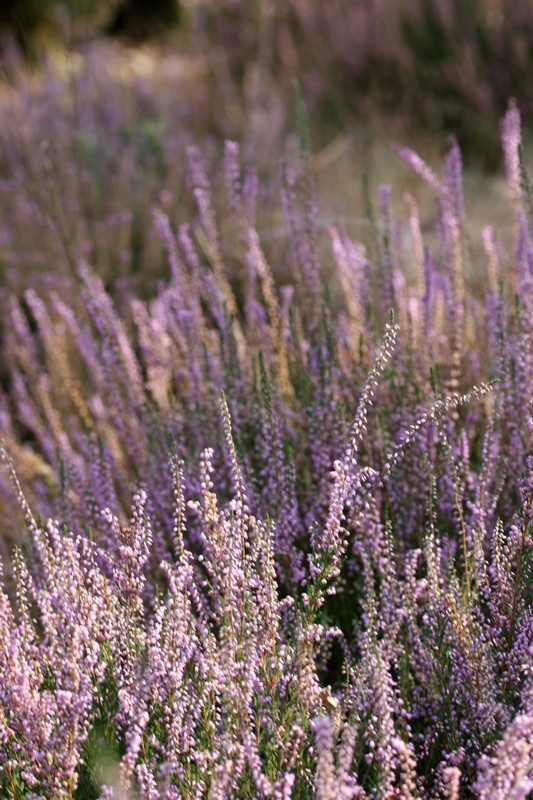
x: 283, y: 548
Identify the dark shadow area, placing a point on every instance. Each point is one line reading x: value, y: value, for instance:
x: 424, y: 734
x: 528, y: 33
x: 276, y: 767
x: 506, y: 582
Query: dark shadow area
x: 137, y: 20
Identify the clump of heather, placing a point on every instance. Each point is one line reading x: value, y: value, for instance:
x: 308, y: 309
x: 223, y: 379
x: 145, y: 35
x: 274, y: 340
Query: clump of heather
x: 93, y: 143
x: 274, y: 547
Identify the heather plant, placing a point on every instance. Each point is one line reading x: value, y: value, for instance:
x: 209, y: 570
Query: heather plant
x: 89, y: 146
x: 273, y: 547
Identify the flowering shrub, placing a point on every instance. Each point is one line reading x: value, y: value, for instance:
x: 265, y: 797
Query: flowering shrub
x: 274, y: 548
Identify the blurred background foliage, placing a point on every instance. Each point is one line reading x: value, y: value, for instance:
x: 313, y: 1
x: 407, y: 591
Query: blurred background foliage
x: 99, y: 100
x: 446, y: 66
